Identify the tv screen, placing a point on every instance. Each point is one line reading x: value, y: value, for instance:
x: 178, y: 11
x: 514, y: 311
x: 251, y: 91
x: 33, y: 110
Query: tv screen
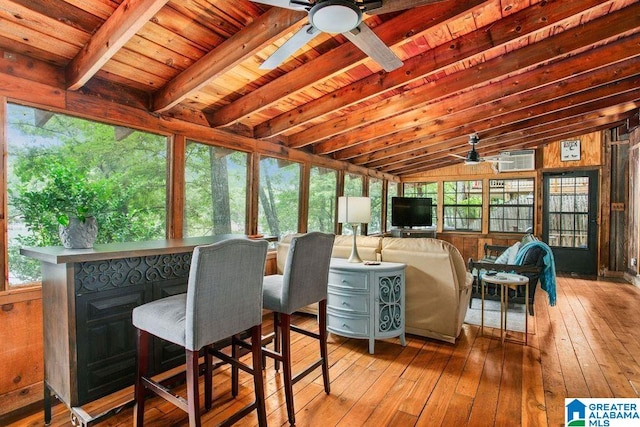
x: 411, y: 211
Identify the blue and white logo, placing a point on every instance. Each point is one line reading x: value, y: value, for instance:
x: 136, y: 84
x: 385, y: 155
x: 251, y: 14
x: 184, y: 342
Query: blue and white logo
x: 600, y: 412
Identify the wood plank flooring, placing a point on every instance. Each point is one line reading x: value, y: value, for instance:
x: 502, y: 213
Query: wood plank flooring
x: 588, y: 345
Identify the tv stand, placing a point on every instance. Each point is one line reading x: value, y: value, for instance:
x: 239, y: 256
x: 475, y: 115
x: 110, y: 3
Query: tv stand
x: 414, y: 232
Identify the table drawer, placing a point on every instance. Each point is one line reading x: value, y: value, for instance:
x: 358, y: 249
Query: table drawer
x: 354, y: 303
x: 347, y: 325
x: 348, y: 280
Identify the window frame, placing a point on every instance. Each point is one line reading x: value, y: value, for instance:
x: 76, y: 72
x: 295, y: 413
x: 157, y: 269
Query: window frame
x: 468, y: 185
x: 518, y: 206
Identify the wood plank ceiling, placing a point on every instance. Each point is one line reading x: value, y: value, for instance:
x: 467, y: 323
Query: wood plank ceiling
x: 519, y: 73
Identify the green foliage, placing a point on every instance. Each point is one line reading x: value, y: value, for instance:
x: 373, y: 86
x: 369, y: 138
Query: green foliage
x: 71, y: 166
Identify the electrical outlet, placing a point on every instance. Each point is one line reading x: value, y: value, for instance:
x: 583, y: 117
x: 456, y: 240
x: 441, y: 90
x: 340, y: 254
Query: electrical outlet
x: 634, y: 262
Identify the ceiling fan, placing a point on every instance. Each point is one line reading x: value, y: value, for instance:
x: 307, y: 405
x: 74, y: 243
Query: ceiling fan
x: 473, y: 158
x: 344, y: 17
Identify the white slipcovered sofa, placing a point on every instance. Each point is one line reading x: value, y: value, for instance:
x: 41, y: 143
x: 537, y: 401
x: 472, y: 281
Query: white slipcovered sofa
x: 438, y: 285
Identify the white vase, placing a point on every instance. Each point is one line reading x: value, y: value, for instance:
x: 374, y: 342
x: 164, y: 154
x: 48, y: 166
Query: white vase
x: 78, y: 234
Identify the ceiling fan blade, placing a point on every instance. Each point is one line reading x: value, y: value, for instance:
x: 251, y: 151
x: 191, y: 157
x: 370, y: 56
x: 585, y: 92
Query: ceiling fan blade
x: 286, y: 4
x: 396, y: 5
x: 299, y: 39
x: 367, y: 41
x: 458, y: 156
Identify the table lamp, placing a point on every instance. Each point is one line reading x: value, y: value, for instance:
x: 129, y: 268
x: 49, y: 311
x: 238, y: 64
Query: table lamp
x: 354, y: 211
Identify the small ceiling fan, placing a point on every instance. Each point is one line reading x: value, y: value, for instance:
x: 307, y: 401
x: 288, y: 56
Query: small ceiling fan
x: 473, y: 158
x: 344, y: 17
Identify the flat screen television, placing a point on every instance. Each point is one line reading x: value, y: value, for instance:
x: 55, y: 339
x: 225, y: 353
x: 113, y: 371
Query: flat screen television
x: 411, y: 212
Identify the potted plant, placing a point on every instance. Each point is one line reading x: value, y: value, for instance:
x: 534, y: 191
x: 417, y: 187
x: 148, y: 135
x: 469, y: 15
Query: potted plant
x: 78, y: 230
x: 60, y: 202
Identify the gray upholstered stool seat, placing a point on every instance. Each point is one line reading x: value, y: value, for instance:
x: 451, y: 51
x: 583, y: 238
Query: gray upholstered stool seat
x: 164, y: 318
x: 303, y: 282
x: 223, y: 299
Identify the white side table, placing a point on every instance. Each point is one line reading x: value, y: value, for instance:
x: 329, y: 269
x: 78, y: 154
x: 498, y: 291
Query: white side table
x: 366, y: 301
x: 507, y: 281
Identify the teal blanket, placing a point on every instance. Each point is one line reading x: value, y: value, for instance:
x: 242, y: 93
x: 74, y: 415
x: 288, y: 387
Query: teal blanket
x: 548, y: 274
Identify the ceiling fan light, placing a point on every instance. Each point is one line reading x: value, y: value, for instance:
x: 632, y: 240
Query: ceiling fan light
x: 335, y: 16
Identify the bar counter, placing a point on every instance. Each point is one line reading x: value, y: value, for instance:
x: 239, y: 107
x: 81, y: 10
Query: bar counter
x: 87, y: 299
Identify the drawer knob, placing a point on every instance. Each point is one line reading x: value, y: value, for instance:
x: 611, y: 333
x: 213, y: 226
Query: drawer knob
x: 346, y: 304
x: 344, y: 325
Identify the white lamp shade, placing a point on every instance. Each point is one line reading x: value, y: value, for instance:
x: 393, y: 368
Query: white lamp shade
x: 354, y: 210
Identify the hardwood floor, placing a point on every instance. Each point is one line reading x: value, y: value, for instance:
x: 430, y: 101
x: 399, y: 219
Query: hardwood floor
x: 588, y: 345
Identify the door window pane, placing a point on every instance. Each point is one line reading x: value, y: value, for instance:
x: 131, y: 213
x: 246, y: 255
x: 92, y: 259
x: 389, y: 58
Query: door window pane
x: 322, y: 199
x: 123, y: 168
x: 375, y: 194
x: 568, y: 211
x: 278, y: 197
x: 215, y: 190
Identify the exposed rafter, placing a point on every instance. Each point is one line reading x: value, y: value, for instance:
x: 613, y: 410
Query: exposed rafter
x: 125, y: 22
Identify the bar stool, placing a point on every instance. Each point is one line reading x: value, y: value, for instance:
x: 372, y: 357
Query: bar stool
x: 303, y: 282
x: 223, y: 298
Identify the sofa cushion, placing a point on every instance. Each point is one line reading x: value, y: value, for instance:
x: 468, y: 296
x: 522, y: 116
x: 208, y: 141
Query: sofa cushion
x: 368, y: 247
x: 509, y: 255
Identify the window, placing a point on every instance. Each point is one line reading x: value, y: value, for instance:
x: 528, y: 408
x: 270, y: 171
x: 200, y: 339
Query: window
x: 511, y: 205
x: 462, y: 205
x: 375, y: 194
x: 215, y: 190
x: 278, y: 197
x: 424, y: 189
x: 125, y: 168
x: 322, y: 199
x: 353, y: 185
x: 392, y: 191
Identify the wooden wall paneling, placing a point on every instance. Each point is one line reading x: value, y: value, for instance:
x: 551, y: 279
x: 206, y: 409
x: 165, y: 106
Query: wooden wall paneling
x: 21, y: 351
x: 271, y: 266
x: 470, y: 245
x: 614, y: 239
x: 633, y: 212
x: 590, y: 152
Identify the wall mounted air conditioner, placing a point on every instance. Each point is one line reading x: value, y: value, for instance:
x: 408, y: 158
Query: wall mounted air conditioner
x: 522, y: 160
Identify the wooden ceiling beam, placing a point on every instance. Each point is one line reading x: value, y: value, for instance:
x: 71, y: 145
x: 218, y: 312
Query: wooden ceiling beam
x: 391, y: 32
x: 536, y: 140
x: 495, y: 108
x: 512, y: 135
x: 123, y: 24
x: 515, y: 26
x: 269, y: 27
x: 449, y: 145
x: 410, y: 104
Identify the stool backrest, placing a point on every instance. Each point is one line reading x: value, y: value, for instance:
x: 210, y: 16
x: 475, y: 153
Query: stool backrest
x: 224, y: 294
x: 306, y: 271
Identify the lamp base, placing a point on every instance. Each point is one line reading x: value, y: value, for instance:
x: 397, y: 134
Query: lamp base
x: 354, y: 257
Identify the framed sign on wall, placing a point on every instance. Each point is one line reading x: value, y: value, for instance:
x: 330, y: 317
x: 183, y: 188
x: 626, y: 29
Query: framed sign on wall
x: 570, y: 150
